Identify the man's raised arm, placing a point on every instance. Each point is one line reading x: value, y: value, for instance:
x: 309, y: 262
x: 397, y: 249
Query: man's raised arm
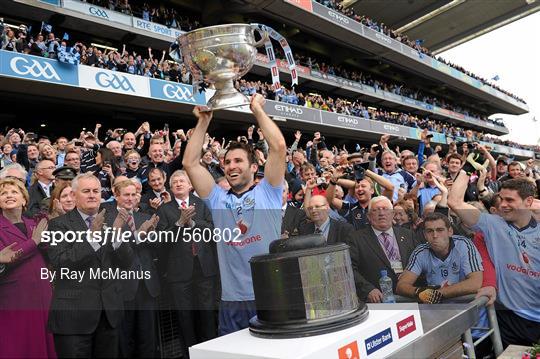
x: 468, y: 213
x: 275, y: 165
x: 202, y: 180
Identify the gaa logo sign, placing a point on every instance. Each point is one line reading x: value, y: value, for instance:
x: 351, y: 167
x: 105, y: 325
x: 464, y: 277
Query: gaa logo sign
x: 98, y: 12
x: 179, y: 93
x: 34, y: 68
x: 116, y: 82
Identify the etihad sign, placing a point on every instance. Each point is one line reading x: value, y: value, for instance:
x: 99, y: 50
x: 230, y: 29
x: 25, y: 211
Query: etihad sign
x: 336, y: 16
x: 391, y: 128
x: 289, y: 109
x: 383, y: 38
x: 347, y: 120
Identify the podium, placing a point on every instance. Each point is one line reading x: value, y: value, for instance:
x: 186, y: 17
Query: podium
x: 384, y: 332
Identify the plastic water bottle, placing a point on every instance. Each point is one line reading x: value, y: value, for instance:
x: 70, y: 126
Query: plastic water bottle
x: 386, y: 287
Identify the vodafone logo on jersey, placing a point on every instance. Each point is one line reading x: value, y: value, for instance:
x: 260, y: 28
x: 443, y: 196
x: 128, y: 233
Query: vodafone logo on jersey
x: 349, y: 351
x: 406, y: 326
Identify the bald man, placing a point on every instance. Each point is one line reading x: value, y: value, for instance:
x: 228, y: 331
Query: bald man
x: 320, y: 223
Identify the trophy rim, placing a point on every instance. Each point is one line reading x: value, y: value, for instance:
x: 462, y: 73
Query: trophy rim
x: 217, y: 26
x: 188, y: 35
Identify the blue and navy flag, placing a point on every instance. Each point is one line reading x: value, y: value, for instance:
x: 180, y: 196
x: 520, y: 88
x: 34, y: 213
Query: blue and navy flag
x: 496, y: 78
x: 69, y: 55
x: 46, y: 27
x: 419, y: 42
x: 66, y: 36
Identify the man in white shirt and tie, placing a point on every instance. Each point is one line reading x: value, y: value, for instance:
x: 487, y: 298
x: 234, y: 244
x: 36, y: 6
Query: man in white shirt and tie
x: 320, y: 222
x: 190, y: 262
x: 42, y: 188
x: 86, y: 312
x: 377, y: 246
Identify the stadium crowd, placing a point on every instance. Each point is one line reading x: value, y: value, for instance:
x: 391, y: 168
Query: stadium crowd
x: 47, y: 44
x: 415, y: 44
x: 158, y: 67
x: 442, y: 223
x: 358, y: 109
x: 154, y: 11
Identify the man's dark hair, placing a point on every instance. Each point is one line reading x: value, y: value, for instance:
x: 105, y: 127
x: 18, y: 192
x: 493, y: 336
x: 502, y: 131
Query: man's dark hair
x: 491, y: 200
x: 252, y: 158
x: 72, y: 152
x: 454, y: 156
x: 158, y: 170
x: 513, y: 164
x: 306, y: 167
x: 524, y: 187
x: 410, y: 157
x: 435, y: 216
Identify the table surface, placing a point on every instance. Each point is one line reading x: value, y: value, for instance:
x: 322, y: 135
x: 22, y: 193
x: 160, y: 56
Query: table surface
x: 513, y: 352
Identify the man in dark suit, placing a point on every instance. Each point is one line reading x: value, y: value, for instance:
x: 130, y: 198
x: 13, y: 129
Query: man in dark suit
x: 191, y: 266
x: 334, y: 231
x: 138, y: 329
x: 378, y: 246
x: 292, y: 217
x: 42, y: 188
x: 157, y: 194
x: 87, y: 304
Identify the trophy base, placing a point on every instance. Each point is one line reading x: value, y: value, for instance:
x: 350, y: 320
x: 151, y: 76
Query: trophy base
x: 227, y: 98
x: 297, y: 330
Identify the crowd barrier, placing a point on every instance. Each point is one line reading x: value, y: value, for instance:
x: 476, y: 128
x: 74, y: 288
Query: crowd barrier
x: 490, y: 332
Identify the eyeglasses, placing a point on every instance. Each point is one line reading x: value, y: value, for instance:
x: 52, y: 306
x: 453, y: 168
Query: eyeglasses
x: 316, y: 207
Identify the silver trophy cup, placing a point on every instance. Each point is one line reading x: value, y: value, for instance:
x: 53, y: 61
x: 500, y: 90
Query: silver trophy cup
x: 219, y: 55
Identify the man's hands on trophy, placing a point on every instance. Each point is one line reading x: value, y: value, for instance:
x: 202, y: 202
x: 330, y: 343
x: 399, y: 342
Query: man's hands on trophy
x: 203, y: 113
x: 257, y: 102
x: 429, y: 294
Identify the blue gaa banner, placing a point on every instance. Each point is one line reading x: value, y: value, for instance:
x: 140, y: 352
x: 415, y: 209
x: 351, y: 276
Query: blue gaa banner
x: 52, y: 2
x: 378, y: 341
x: 37, y: 68
x: 176, y: 92
x: 112, y: 81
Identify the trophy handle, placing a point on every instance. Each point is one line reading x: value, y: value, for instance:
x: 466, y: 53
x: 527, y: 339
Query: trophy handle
x: 263, y: 33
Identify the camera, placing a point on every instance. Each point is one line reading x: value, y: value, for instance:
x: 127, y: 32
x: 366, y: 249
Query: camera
x: 359, y: 171
x: 320, y: 181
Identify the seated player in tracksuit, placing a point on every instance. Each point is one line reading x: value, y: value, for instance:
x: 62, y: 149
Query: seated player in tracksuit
x: 451, y: 264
